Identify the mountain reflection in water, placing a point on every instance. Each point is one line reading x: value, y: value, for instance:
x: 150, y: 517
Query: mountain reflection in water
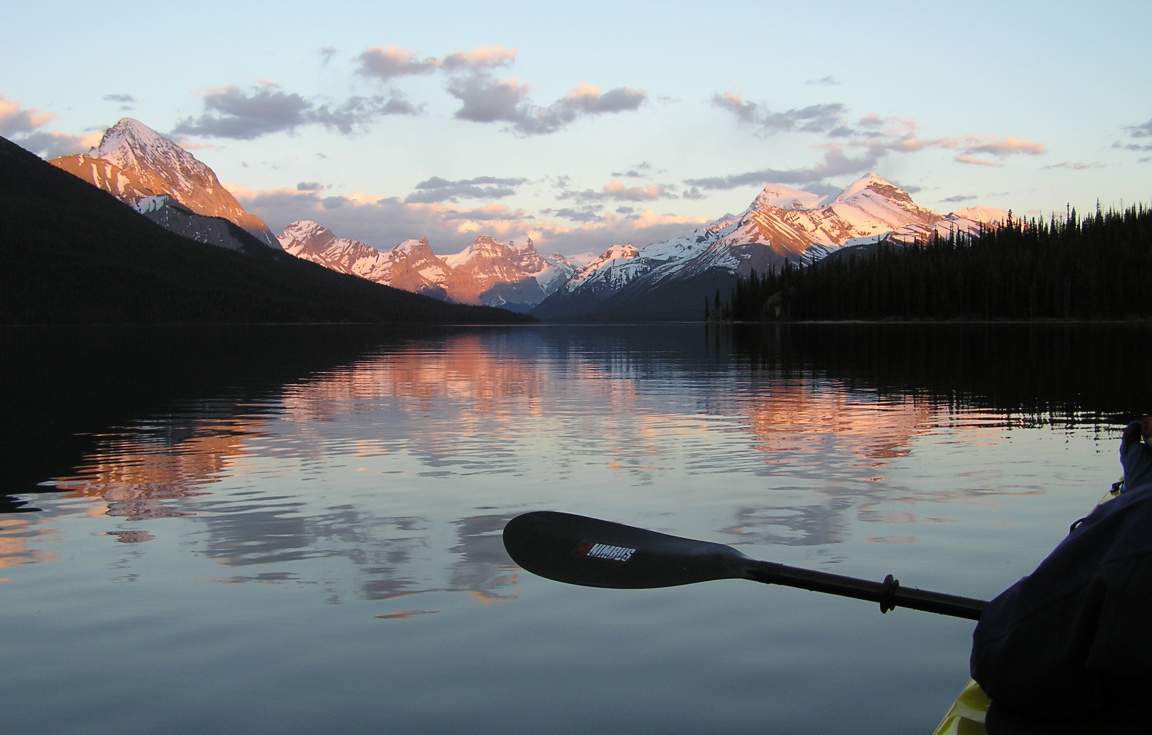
x: 363, y: 468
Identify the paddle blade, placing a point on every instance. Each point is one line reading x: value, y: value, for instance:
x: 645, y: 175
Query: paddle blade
x: 594, y: 553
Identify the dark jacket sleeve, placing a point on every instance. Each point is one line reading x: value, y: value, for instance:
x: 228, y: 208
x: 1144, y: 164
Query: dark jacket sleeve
x: 1073, y: 639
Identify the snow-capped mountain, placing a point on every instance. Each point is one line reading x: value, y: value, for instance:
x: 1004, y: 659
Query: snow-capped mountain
x: 780, y: 223
x: 134, y: 162
x: 510, y: 275
x: 411, y: 265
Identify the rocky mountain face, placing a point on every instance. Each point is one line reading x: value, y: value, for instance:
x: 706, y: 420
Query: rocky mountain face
x: 670, y: 279
x: 510, y: 275
x: 167, y: 184
x: 411, y: 265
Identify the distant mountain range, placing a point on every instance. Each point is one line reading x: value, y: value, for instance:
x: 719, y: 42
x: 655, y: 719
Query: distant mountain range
x: 671, y: 279
x: 509, y: 275
x: 74, y: 254
x: 663, y: 280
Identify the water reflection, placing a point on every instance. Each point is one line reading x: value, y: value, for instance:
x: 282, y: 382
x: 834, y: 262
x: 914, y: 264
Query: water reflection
x: 364, y: 451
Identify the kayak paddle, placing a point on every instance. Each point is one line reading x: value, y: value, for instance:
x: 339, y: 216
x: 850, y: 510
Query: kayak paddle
x: 594, y: 553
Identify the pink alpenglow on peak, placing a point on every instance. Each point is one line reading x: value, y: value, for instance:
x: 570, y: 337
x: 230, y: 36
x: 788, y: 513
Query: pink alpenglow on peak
x: 510, y: 275
x: 133, y: 161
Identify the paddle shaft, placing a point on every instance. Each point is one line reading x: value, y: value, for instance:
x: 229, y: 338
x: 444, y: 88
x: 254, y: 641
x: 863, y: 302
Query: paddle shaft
x: 888, y: 593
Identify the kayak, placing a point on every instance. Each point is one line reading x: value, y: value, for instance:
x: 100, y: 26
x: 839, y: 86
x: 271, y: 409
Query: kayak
x: 966, y: 715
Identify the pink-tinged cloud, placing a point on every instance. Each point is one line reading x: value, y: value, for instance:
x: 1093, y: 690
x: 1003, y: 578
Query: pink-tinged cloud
x: 1001, y: 147
x: 485, y: 57
x: 620, y: 191
x: 23, y: 126
x: 971, y: 160
x: 385, y: 221
x: 391, y: 62
x: 14, y: 119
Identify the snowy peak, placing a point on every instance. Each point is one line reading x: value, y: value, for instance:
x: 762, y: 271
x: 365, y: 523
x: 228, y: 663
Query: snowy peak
x: 154, y: 165
x: 778, y: 196
x: 306, y: 236
x: 874, y: 186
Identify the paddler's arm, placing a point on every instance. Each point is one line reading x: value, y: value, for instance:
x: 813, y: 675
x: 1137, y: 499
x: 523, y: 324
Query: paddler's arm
x: 1136, y: 455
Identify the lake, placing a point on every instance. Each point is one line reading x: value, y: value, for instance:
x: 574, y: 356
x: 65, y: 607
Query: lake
x: 292, y: 529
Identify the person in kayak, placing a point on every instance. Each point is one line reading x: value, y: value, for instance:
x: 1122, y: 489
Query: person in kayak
x: 1069, y: 646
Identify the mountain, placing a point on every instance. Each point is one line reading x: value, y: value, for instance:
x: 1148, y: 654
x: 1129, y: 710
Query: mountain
x: 509, y: 275
x: 135, y: 163
x: 671, y: 279
x: 410, y: 266
x: 74, y: 254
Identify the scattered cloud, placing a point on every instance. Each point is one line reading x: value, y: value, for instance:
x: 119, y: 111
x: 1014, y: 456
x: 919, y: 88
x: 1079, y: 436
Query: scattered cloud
x: 437, y: 189
x: 15, y: 120
x: 391, y: 62
x: 825, y: 81
x: 693, y: 192
x: 970, y: 160
x: 581, y: 214
x: 488, y: 213
x: 618, y: 191
x: 835, y: 163
x: 126, y: 101
x: 958, y: 198
x: 234, y: 113
x: 1143, y: 130
x: 486, y: 57
x: 1133, y: 146
x: 485, y: 99
x: 309, y: 186
x: 820, y: 118
x: 326, y: 54
x: 24, y: 126
x: 1074, y: 165
x: 385, y: 221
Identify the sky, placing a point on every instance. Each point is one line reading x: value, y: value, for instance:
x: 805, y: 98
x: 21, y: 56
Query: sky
x: 582, y: 125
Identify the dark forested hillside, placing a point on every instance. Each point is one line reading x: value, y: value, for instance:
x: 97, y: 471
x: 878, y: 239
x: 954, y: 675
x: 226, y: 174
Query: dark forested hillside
x: 70, y: 253
x: 1098, y: 267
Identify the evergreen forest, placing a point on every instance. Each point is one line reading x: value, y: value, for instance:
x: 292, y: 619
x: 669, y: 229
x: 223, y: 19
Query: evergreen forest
x: 1070, y: 267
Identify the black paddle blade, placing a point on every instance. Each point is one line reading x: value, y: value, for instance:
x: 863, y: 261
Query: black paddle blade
x: 586, y: 551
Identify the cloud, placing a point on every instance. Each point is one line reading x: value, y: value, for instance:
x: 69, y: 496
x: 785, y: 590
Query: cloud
x: 391, y: 62
x: 309, y: 186
x: 582, y: 214
x: 15, y: 120
x: 639, y: 171
x: 835, y: 163
x: 1143, y: 130
x: 385, y: 221
x: 693, y: 192
x: 617, y: 191
x: 326, y: 53
x: 486, y: 57
x: 485, y: 99
x: 488, y: 213
x: 233, y: 113
x: 437, y: 189
x: 23, y: 126
x: 958, y: 198
x: 1133, y: 146
x: 971, y: 160
x: 825, y: 81
x: 51, y: 144
x: 1073, y: 166
x: 999, y: 147
x: 820, y: 118
x: 126, y: 101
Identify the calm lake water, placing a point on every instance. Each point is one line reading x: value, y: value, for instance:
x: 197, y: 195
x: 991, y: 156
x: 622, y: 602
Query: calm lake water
x: 298, y: 529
